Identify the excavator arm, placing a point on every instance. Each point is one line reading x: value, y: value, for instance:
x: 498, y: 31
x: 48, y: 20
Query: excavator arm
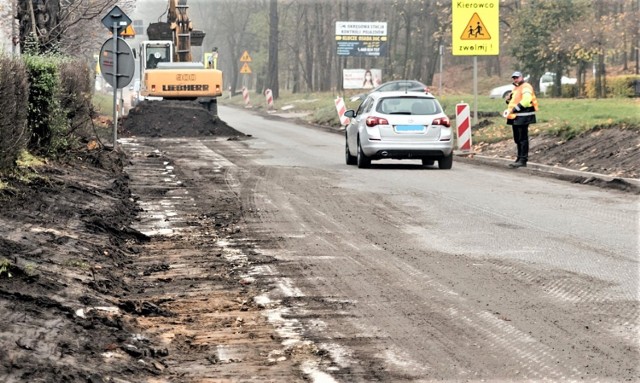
x: 179, y: 29
x: 181, y: 26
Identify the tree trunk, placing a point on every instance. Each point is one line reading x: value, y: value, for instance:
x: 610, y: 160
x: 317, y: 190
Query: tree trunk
x: 407, y: 45
x: 309, y: 56
x: 272, y: 73
x: 295, y: 75
x: 636, y: 37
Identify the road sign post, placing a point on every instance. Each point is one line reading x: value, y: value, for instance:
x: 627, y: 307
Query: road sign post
x: 245, y: 70
x: 115, y: 21
x: 115, y: 87
x: 475, y: 31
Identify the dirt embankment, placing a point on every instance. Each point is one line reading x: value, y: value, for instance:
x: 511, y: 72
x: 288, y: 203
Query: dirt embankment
x: 74, y: 285
x: 66, y: 248
x: 613, y: 151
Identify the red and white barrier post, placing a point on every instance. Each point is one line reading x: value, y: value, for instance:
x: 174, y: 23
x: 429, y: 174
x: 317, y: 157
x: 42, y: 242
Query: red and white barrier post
x: 268, y: 94
x: 463, y: 125
x: 245, y: 95
x: 341, y: 108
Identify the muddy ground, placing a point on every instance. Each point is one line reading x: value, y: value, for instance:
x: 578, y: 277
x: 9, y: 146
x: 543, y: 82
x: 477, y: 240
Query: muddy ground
x: 614, y: 152
x: 85, y: 297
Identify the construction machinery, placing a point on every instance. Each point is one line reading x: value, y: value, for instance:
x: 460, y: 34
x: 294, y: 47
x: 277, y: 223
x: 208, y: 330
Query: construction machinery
x: 167, y: 70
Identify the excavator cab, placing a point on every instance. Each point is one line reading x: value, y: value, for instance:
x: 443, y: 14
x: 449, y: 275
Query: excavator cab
x: 154, y: 52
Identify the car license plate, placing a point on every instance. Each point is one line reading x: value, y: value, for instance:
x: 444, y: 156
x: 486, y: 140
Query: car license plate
x: 409, y: 128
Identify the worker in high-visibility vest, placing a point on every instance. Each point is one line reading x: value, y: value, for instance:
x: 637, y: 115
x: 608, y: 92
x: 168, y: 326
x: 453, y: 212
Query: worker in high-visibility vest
x: 521, y: 111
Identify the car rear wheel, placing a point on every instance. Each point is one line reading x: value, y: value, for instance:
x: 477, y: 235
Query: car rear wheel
x: 349, y: 159
x: 446, y: 162
x: 362, y: 160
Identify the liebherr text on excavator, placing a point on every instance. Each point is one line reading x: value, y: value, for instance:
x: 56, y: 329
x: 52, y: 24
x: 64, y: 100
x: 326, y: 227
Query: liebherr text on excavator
x: 167, y: 70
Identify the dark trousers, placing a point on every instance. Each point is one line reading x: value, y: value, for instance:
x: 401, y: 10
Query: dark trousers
x: 521, y: 138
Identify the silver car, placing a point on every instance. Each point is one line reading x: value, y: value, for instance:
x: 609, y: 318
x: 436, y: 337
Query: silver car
x: 399, y: 125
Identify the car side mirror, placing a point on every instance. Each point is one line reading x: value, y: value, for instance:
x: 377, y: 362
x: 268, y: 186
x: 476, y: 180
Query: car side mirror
x: 350, y: 113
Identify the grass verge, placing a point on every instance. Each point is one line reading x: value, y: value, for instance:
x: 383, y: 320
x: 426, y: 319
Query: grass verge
x: 103, y: 103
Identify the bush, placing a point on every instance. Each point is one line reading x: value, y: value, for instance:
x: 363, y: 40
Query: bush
x: 621, y: 86
x: 568, y: 90
x: 45, y: 118
x: 76, y: 94
x: 617, y: 86
x: 14, y: 89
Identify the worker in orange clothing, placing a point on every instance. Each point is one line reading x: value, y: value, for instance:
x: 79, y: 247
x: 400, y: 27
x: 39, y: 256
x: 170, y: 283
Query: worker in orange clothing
x: 521, y: 111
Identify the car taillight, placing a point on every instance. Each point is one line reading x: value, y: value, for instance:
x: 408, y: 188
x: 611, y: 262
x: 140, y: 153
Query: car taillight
x: 373, y: 121
x: 444, y: 121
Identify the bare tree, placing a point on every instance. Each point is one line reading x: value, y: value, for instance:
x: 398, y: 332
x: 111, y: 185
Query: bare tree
x: 272, y: 72
x: 69, y: 26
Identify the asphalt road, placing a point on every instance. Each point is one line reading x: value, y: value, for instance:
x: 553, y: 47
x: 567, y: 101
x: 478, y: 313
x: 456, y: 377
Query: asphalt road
x: 404, y: 273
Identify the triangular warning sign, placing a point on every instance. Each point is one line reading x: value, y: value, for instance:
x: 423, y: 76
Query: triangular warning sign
x: 245, y: 69
x: 475, y: 30
x: 245, y: 57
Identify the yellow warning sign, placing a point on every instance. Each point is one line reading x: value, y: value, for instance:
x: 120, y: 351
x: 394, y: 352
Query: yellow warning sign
x: 128, y: 32
x: 475, y: 30
x: 245, y: 69
x: 245, y: 58
x: 475, y: 27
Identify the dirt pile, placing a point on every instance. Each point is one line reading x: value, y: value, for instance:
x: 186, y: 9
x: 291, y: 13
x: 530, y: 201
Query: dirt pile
x: 174, y: 119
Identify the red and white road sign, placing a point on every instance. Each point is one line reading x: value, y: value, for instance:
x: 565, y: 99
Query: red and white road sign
x: 463, y: 125
x: 341, y: 108
x: 268, y: 94
x: 245, y: 95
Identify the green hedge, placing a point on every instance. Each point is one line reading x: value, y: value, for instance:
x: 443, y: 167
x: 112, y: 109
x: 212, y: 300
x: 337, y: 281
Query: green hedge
x: 14, y: 89
x: 45, y: 113
x: 46, y: 105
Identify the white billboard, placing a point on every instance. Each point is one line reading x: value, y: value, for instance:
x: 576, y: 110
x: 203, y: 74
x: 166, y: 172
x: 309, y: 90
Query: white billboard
x: 361, y: 28
x: 361, y: 78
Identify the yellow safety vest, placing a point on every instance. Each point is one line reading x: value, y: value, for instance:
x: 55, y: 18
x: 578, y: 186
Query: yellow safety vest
x: 516, y: 98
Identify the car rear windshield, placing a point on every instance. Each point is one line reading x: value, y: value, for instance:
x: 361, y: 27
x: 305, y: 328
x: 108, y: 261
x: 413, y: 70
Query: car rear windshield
x: 398, y: 85
x: 408, y: 105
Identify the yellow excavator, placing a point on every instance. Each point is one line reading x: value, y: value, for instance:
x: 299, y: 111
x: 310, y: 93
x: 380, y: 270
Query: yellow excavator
x: 167, y: 70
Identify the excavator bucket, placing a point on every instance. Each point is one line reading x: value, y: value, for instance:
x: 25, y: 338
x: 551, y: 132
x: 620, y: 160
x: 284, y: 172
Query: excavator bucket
x: 159, y: 31
x: 197, y: 37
